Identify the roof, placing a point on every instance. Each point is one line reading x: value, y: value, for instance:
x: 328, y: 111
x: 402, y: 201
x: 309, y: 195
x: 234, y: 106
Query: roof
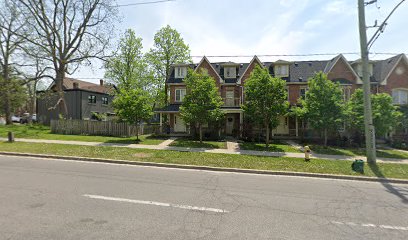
x: 68, y: 84
x: 301, y: 71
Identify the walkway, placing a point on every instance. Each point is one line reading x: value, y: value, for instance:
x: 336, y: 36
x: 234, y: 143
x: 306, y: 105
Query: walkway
x: 206, y: 150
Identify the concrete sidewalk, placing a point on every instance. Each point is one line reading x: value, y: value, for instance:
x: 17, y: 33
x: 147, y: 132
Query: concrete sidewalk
x: 206, y: 150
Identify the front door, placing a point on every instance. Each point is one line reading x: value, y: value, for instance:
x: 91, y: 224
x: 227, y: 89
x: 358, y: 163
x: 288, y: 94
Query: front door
x: 179, y: 125
x: 283, y: 128
x: 229, y: 127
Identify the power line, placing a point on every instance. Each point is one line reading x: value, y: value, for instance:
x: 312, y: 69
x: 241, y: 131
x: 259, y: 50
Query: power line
x: 291, y: 55
x: 143, y: 3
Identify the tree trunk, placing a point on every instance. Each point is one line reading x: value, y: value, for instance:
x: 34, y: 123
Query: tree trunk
x: 267, y: 136
x: 7, y: 109
x: 201, y: 132
x: 325, y: 137
x: 61, y: 104
x: 137, y: 132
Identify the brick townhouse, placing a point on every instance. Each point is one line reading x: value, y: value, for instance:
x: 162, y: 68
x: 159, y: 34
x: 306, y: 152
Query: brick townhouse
x: 389, y: 76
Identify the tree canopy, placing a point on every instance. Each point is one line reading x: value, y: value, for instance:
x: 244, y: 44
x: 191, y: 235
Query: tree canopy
x: 323, y: 104
x: 265, y: 99
x: 202, y: 102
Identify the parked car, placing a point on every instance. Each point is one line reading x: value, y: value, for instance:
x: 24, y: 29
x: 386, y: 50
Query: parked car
x: 26, y: 118
x: 15, y: 118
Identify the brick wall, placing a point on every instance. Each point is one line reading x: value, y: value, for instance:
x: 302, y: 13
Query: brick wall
x: 397, y: 79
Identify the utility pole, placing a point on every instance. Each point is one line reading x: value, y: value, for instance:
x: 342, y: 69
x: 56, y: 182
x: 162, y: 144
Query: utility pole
x: 368, y: 116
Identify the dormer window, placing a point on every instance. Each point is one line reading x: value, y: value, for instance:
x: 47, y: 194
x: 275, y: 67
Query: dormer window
x: 230, y: 72
x: 281, y: 70
x: 360, y: 69
x: 180, y: 72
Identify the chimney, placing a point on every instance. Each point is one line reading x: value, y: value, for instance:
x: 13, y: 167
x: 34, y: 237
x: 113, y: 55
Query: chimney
x: 101, y: 82
x: 76, y: 85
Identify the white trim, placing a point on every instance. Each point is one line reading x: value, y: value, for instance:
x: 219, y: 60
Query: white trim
x: 384, y: 82
x: 206, y: 59
x: 250, y: 63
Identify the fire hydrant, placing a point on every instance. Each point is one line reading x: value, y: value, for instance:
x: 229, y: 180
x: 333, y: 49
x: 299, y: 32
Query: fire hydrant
x: 307, y: 153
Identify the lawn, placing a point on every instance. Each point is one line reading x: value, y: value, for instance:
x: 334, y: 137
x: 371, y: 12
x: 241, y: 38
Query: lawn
x: 273, y: 147
x: 43, y: 132
x: 357, y: 152
x: 210, y: 159
x: 189, y: 143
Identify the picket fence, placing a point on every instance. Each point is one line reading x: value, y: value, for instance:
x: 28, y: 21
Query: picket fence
x: 97, y: 128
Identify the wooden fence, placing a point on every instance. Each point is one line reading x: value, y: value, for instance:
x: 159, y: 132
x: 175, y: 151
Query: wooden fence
x: 97, y: 128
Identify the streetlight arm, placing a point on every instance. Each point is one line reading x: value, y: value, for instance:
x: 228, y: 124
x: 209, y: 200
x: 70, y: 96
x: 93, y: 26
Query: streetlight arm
x: 381, y: 27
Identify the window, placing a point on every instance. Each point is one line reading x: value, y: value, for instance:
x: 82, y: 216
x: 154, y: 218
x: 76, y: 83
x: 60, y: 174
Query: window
x: 400, y: 96
x: 229, y: 98
x: 360, y: 69
x: 281, y: 70
x: 105, y: 100
x: 230, y: 72
x: 287, y: 92
x: 91, y: 99
x: 181, y: 72
x: 346, y: 93
x: 180, y: 93
x: 303, y: 93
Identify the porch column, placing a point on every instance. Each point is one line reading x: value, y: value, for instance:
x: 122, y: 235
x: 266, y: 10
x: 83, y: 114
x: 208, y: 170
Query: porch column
x: 297, y: 127
x: 241, y: 123
x: 161, y: 123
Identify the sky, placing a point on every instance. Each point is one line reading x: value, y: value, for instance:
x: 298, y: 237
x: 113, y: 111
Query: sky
x: 262, y: 27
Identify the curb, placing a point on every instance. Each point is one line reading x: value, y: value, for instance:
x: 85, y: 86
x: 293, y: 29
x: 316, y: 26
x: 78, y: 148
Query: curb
x: 214, y: 169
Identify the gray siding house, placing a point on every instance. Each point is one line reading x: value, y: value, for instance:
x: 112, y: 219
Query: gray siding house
x: 83, y: 99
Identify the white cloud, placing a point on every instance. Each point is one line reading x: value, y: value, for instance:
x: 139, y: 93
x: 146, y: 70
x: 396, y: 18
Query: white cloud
x: 340, y: 7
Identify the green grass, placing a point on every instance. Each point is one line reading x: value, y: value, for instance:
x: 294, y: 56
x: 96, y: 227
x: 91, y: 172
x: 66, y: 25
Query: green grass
x: 357, y: 152
x: 273, y: 147
x: 186, y: 142
x: 210, y: 159
x: 43, y: 132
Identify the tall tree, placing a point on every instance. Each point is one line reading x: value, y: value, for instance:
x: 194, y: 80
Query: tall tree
x: 127, y: 67
x: 11, y: 40
x: 68, y: 33
x: 169, y: 48
x: 324, y: 104
x: 386, y: 116
x: 133, y: 106
x: 16, y: 95
x: 202, y: 102
x: 265, y: 99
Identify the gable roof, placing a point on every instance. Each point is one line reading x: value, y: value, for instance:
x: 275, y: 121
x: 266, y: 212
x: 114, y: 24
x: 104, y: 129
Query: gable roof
x: 68, y: 84
x: 205, y: 59
x: 388, y: 66
x: 255, y: 58
x: 303, y: 70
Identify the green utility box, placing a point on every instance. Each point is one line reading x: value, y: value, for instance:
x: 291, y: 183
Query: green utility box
x: 358, y: 166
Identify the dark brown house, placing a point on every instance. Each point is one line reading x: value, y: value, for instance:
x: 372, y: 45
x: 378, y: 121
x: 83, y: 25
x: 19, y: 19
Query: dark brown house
x: 84, y: 101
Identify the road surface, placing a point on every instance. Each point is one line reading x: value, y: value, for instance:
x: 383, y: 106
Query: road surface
x: 55, y: 199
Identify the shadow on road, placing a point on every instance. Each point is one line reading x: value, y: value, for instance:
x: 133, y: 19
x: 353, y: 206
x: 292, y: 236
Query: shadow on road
x: 401, y: 192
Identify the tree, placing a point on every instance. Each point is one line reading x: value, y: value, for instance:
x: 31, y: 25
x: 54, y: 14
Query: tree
x: 385, y: 115
x: 16, y: 95
x: 323, y: 104
x: 169, y: 48
x: 133, y: 106
x: 11, y: 39
x: 66, y: 34
x: 127, y: 68
x: 202, y: 102
x: 265, y: 99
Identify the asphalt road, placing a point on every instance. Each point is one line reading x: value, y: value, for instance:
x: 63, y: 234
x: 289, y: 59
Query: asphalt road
x: 53, y: 199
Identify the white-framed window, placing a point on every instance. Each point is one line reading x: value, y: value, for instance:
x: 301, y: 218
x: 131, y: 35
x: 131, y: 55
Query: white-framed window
x: 180, y: 93
x: 287, y: 92
x: 282, y: 70
x: 230, y: 72
x: 400, y: 96
x: 360, y: 69
x: 346, y: 93
x: 180, y: 72
x: 229, y: 98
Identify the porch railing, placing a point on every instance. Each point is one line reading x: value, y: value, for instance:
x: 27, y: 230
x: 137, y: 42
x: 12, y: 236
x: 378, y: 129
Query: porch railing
x: 232, y: 102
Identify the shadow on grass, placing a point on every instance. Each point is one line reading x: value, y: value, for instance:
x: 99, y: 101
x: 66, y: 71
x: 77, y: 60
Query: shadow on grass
x: 401, y: 192
x: 189, y: 143
x: 260, y: 147
x: 124, y: 141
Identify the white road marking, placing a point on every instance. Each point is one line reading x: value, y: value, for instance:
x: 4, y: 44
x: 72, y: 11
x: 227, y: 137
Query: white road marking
x: 371, y: 225
x: 156, y: 203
